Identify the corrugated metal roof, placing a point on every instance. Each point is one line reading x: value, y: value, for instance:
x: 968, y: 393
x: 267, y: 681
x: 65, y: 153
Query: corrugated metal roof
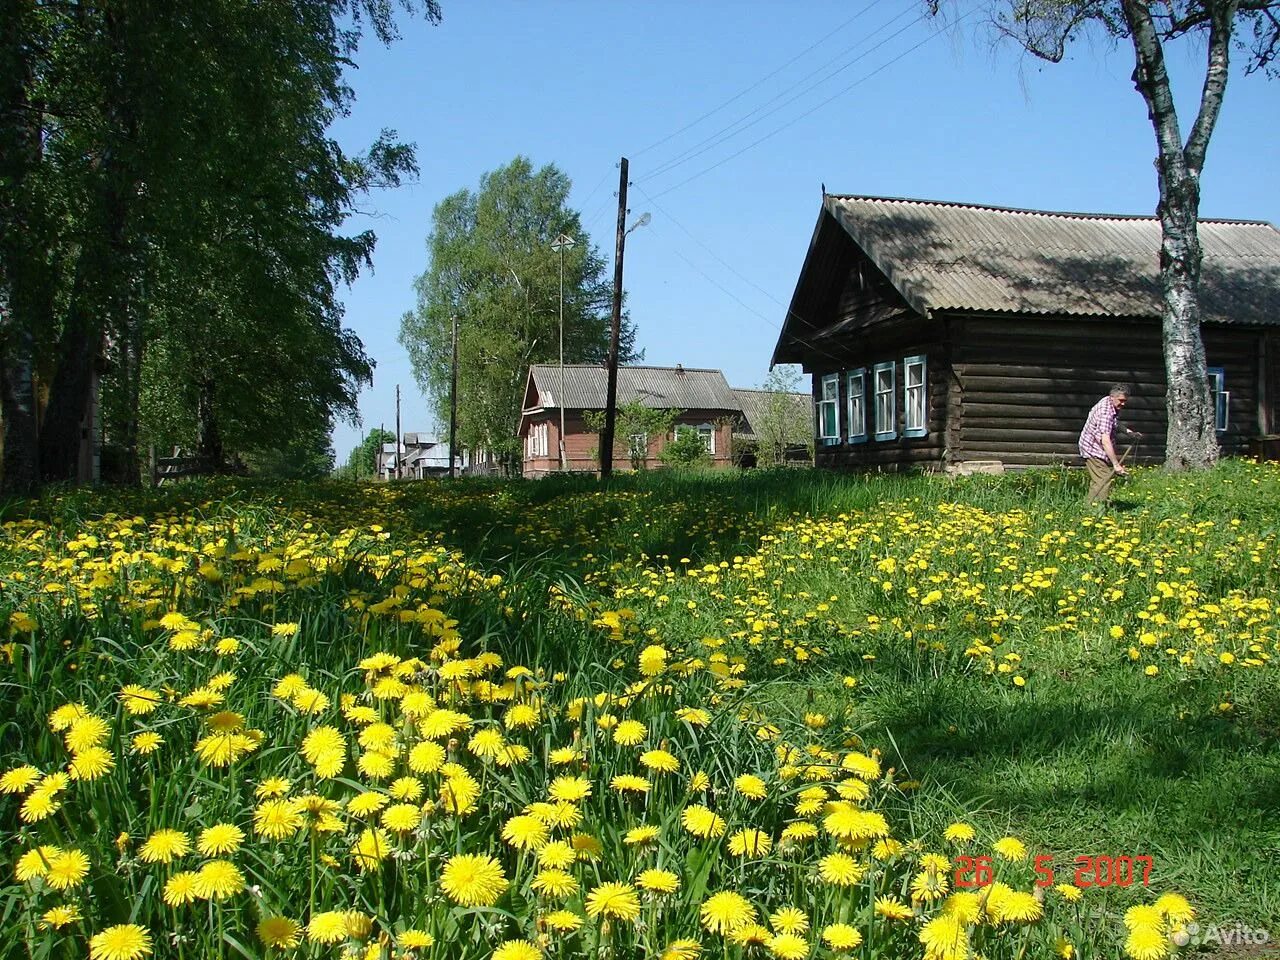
x: 586, y: 387
x: 755, y: 404
x: 950, y: 256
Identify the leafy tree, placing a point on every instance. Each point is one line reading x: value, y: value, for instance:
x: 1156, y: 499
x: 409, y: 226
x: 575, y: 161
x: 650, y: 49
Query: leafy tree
x: 1045, y: 28
x: 688, y: 449
x: 635, y: 427
x: 787, y: 421
x: 362, y: 462
x: 492, y: 267
x: 170, y: 212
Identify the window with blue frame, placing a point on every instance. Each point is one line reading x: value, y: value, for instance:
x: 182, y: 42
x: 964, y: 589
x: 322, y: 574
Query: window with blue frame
x: 883, y: 381
x: 829, y: 409
x: 856, y: 385
x: 915, y: 409
x: 1221, y: 398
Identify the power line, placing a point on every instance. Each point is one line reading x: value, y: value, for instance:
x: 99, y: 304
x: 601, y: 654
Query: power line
x: 769, y: 76
x: 746, y: 121
x: 790, y: 123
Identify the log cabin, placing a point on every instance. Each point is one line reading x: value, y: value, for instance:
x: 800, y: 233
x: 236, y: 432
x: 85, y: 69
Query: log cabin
x: 943, y: 334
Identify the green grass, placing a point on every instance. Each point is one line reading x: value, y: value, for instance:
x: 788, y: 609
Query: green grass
x: 1091, y: 757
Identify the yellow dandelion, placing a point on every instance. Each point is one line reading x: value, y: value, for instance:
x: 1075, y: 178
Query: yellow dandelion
x: 126, y: 941
x: 473, y: 880
x: 614, y: 900
x: 164, y: 845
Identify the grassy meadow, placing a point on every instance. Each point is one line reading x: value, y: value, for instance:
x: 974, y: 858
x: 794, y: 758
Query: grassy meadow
x: 733, y: 715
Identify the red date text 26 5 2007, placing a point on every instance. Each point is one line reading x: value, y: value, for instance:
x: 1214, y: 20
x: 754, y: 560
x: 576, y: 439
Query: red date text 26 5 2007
x: 1095, y: 871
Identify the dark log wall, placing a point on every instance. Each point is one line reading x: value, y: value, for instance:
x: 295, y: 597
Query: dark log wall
x: 908, y: 336
x: 1269, y: 365
x: 1026, y: 385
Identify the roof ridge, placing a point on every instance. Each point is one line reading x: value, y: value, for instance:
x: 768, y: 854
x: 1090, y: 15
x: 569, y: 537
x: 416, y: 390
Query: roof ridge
x: 1073, y: 215
x: 629, y: 366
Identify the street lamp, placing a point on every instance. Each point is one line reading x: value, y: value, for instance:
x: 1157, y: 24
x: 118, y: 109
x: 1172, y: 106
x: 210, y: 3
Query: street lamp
x: 560, y: 244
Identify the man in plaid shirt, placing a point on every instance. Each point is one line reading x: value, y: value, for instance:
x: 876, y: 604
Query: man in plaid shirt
x: 1097, y: 446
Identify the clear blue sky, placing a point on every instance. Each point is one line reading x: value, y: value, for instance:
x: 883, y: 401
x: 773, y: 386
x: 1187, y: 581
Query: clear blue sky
x: 897, y: 105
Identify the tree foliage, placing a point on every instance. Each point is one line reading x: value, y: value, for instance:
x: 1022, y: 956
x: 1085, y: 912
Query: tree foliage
x: 1045, y: 28
x: 492, y: 267
x: 171, y: 213
x: 634, y: 429
x: 787, y: 421
x: 362, y: 462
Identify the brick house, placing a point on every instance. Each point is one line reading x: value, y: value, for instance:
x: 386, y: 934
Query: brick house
x: 704, y: 399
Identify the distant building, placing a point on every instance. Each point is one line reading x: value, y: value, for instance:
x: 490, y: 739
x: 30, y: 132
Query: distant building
x: 420, y: 455
x: 703, y: 399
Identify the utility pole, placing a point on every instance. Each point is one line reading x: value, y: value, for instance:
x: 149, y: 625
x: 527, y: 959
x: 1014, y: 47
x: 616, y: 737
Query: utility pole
x: 398, y: 474
x: 560, y: 244
x: 377, y: 461
x: 615, y: 333
x: 453, y: 403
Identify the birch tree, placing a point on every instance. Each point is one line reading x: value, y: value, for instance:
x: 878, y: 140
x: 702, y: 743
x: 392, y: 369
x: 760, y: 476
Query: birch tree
x: 1045, y: 28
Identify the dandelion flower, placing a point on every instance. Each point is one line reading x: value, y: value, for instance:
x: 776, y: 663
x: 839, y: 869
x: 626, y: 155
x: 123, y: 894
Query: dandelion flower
x: 164, y: 845
x: 328, y: 927
x: 789, y: 920
x: 659, y: 761
x: 959, y: 833
x: 846, y: 822
x: 415, y: 940
x: 63, y: 915
x: 370, y: 849
x: 219, y: 839
x: 788, y: 946
x: 726, y: 911
x: 944, y: 938
x: 841, y: 937
x: 277, y: 819
x: 658, y: 881
x: 840, y: 869
x: 126, y: 941
x: 18, y: 779
x: 1146, y: 943
x: 1011, y: 849
x: 891, y: 908
x: 1176, y: 908
x: 219, y: 879
x: 37, y: 806
x: 928, y: 886
x: 426, y: 757
x: 91, y: 763
x: 35, y: 863
x: 281, y: 933
x: 702, y: 822
x: 525, y: 832
x: 139, y: 701
x: 1143, y: 915
x: 570, y: 789
x: 181, y: 888
x: 629, y: 783
x: 146, y: 742
x: 555, y: 884
x: 750, y: 786
x: 402, y: 817
x: 629, y: 732
x: 616, y: 900
x: 1017, y: 906
x: 750, y: 843
x: 1069, y: 893
x: 563, y: 921
x: 67, y: 869
x: 641, y: 835
x: 681, y: 950
x: 473, y: 880
x: 517, y: 950
x: 557, y: 855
